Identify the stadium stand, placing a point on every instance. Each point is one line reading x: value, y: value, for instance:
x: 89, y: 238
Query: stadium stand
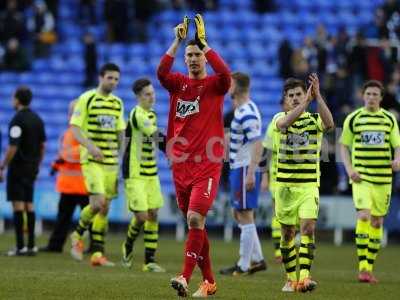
x: 247, y: 40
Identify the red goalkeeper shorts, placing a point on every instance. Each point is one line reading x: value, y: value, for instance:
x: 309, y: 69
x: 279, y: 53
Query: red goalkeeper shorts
x: 196, y: 185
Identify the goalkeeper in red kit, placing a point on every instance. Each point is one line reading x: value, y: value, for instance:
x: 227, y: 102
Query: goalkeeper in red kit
x: 195, y: 144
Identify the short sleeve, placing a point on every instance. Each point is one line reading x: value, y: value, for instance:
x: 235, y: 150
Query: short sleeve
x: 268, y: 142
x: 251, y: 127
x: 15, y: 131
x: 347, y: 136
x: 275, y: 120
x: 121, y: 122
x: 395, y: 135
x: 320, y: 125
x: 80, y: 112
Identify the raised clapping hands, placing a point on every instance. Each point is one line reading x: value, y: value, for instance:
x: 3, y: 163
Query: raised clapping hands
x: 182, y: 29
x: 313, y: 91
x: 309, y: 94
x: 314, y: 82
x: 200, y: 32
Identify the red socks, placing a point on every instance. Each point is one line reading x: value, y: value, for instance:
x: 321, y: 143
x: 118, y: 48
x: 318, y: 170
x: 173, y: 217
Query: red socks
x: 194, y: 246
x: 204, y: 260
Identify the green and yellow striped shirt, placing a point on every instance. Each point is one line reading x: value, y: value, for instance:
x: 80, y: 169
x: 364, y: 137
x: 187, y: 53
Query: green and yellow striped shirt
x: 100, y: 118
x: 140, y: 154
x: 298, y: 151
x: 371, y: 137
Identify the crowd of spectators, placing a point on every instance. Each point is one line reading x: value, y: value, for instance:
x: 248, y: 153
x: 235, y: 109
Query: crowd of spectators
x: 343, y: 63
x: 27, y: 30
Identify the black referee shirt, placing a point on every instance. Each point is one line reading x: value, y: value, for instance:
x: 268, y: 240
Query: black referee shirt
x: 26, y: 131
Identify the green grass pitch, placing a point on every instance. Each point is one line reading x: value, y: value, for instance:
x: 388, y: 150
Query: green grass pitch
x: 57, y: 276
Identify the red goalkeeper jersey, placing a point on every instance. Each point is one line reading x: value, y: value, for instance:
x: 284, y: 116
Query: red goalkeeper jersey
x: 195, y: 122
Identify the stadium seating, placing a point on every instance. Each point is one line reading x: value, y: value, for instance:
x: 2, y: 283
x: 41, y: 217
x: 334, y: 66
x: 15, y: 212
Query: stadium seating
x: 246, y: 39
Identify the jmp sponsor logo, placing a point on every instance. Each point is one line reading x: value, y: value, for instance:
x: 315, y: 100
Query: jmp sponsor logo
x: 372, y: 138
x: 297, y: 140
x: 106, y: 122
x: 186, y: 108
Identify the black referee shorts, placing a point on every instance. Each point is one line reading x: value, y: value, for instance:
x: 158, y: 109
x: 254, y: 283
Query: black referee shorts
x: 20, y: 186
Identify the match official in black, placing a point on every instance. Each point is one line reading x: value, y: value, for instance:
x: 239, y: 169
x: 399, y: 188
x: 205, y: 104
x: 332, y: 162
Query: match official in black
x: 22, y: 158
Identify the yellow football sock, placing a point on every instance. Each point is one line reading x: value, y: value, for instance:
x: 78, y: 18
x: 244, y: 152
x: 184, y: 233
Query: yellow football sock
x: 133, y: 232
x: 98, y: 231
x: 85, y: 219
x: 306, y: 255
x: 362, y: 237
x: 375, y: 237
x: 150, y: 240
x: 276, y: 236
x: 289, y: 257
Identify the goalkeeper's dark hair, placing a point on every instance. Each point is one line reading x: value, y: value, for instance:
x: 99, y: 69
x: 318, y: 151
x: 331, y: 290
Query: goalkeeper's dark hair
x: 140, y: 84
x: 373, y: 83
x: 24, y: 95
x: 192, y: 42
x: 292, y: 83
x: 109, y: 67
x: 242, y: 81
